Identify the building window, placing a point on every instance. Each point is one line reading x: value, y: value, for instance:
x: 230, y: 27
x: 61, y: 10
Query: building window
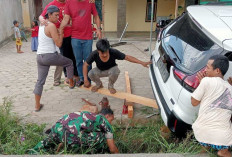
x: 148, y: 11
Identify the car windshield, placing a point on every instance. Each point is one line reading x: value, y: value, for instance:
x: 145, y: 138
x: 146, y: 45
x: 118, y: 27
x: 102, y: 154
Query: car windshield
x: 188, y: 46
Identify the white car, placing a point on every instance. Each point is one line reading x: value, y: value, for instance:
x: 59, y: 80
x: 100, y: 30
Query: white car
x: 183, y: 49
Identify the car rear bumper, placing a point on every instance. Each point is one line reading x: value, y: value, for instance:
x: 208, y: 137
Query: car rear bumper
x: 174, y: 123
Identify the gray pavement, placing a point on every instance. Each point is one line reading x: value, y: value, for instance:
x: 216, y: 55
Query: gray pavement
x: 19, y: 74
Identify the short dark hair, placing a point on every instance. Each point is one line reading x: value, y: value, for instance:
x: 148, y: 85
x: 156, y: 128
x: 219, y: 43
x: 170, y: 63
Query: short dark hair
x: 106, y: 111
x: 221, y: 62
x: 51, y: 9
x: 15, y: 22
x: 103, y: 45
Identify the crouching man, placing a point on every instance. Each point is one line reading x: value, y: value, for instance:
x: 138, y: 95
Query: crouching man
x: 213, y: 126
x: 105, y: 58
x: 81, y: 132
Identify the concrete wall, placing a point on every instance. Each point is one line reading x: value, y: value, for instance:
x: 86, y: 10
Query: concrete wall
x: 110, y: 15
x: 135, y: 15
x: 26, y: 13
x: 10, y: 10
x: 45, y: 2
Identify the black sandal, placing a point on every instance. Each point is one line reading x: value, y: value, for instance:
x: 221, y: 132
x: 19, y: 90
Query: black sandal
x: 41, y: 106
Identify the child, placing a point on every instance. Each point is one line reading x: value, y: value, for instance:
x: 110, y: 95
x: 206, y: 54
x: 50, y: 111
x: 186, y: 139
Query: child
x: 34, y: 36
x: 17, y: 36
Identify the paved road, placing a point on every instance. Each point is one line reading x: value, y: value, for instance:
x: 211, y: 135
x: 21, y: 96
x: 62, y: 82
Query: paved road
x: 19, y: 74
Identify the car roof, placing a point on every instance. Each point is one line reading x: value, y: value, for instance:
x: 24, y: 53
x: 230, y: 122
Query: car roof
x: 216, y: 22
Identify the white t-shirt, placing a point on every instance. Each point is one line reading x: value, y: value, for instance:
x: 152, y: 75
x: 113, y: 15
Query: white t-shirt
x: 16, y: 29
x: 213, y: 125
x: 46, y: 44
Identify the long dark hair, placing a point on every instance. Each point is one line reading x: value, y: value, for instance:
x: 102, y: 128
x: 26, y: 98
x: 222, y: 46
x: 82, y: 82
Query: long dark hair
x: 36, y: 22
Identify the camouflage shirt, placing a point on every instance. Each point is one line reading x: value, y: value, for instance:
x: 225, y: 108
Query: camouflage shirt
x: 79, y: 130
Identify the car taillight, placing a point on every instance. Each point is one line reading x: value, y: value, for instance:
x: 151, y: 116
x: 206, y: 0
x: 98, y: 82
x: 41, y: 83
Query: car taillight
x: 190, y: 82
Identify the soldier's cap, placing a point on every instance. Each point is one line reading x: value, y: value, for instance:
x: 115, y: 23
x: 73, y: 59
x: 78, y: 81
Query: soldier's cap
x: 52, y: 9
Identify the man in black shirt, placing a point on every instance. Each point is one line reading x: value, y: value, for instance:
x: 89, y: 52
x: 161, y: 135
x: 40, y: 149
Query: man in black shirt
x: 105, y: 58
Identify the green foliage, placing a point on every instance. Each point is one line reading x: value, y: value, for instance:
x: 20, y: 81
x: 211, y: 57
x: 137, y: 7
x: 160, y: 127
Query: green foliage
x: 16, y: 137
x: 148, y: 139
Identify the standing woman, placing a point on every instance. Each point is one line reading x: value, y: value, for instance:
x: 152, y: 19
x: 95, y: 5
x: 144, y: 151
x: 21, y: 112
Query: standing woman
x: 34, y: 36
x: 49, y: 38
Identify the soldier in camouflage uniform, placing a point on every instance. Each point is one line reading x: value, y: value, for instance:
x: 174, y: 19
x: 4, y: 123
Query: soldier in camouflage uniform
x: 82, y: 132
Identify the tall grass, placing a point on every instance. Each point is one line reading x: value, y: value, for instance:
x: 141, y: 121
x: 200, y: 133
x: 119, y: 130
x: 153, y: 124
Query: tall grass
x: 147, y: 138
x: 16, y: 137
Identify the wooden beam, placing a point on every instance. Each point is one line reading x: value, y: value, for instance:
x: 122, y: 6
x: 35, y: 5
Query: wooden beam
x: 128, y: 90
x: 130, y: 97
x: 128, y: 86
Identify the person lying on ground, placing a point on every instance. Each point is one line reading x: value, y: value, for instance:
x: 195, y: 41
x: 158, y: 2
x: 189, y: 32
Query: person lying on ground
x: 212, y: 127
x: 81, y: 132
x: 105, y: 58
x: 47, y: 55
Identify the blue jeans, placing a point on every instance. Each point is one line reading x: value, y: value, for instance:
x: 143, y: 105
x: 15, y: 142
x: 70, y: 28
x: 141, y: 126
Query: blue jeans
x: 81, y: 49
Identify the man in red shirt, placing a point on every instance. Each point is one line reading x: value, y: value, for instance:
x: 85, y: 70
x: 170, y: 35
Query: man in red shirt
x: 82, y: 38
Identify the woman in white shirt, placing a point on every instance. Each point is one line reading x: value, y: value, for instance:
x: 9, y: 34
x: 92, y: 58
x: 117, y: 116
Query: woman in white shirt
x: 49, y: 40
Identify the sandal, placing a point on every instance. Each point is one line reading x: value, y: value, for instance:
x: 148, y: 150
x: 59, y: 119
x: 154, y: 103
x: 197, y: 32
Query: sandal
x: 112, y: 90
x: 41, y: 106
x: 74, y: 84
x: 95, y: 88
x: 79, y: 83
x: 56, y: 83
x: 66, y: 82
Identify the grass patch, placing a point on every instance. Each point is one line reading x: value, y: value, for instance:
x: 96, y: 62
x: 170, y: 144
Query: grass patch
x: 16, y: 137
x: 147, y: 138
x: 143, y: 136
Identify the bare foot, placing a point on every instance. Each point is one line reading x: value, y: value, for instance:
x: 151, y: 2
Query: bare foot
x: 224, y: 153
x: 112, y: 90
x: 95, y: 88
x: 21, y: 52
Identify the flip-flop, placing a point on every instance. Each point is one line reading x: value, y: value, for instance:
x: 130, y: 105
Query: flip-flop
x: 41, y: 106
x: 79, y: 83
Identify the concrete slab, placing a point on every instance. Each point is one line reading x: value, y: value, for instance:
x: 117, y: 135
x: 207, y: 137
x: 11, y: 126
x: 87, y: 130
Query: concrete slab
x: 18, y: 75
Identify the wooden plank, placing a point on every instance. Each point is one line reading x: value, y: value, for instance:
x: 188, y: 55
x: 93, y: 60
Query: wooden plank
x: 130, y: 111
x: 128, y: 90
x: 128, y: 86
x: 130, y: 97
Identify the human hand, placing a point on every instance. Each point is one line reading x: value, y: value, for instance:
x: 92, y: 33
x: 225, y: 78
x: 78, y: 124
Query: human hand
x: 91, y: 1
x: 87, y: 84
x: 230, y: 80
x: 44, y: 22
x: 201, y: 75
x: 145, y: 64
x: 99, y: 34
x: 60, y: 31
